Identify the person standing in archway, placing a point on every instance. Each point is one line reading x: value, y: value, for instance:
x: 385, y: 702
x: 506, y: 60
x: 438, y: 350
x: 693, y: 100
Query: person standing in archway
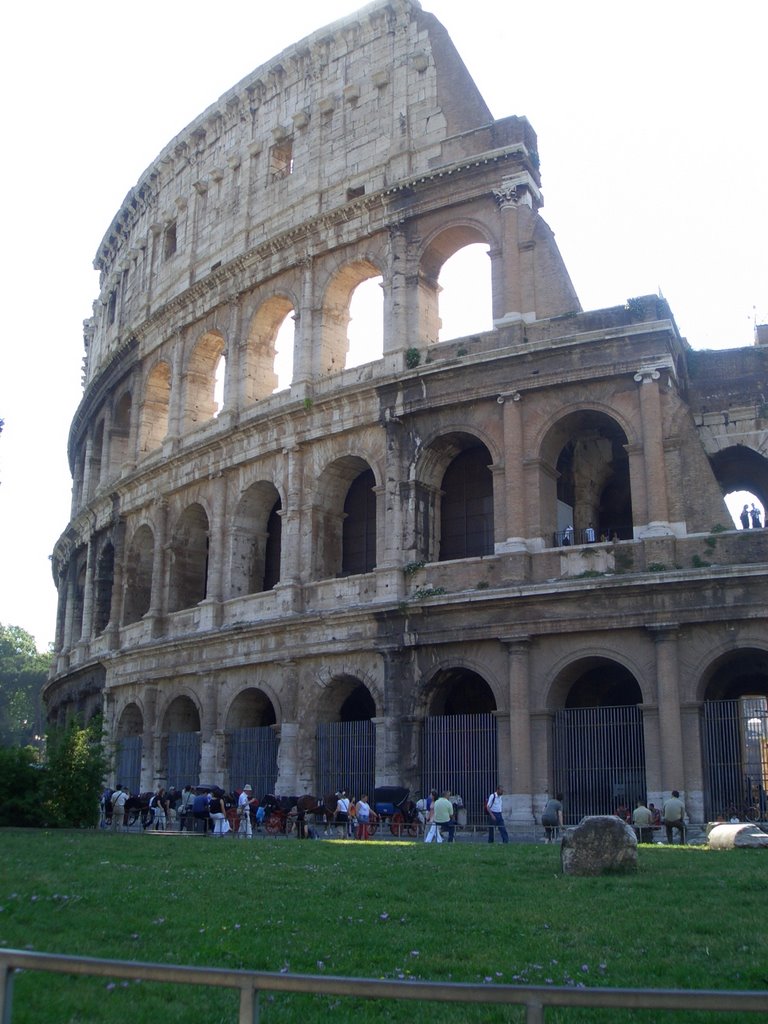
x: 754, y: 514
x: 744, y: 517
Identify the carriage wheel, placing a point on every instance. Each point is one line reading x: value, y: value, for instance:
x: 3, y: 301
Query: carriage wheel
x: 372, y: 826
x: 397, y: 824
x: 274, y: 823
x: 130, y: 818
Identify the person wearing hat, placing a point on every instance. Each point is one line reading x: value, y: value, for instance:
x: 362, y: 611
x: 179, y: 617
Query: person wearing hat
x: 245, y: 828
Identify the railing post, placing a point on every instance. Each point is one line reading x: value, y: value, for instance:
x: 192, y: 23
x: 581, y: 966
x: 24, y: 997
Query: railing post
x: 6, y: 993
x: 534, y: 1012
x: 249, y: 1005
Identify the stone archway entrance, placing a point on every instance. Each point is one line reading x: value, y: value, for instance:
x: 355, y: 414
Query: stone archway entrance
x: 252, y: 743
x: 458, y: 741
x: 128, y: 749
x: 346, y: 745
x: 735, y: 737
x: 598, y: 746
x: 180, y: 743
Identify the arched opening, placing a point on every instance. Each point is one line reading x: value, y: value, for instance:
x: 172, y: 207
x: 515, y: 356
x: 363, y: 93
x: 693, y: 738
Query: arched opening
x: 331, y: 355
x: 79, y: 570
x: 128, y: 748
x: 466, y: 506
x: 120, y: 434
x: 328, y: 553
x: 466, y: 294
x: 455, y: 289
x: 180, y: 743
x: 218, y: 385
x: 588, y: 452
x: 200, y: 380
x: 97, y: 447
x: 365, y: 333
x: 154, y: 413
x: 189, y: 559
x: 138, y: 575
x: 742, y: 474
x: 256, y: 540
x: 735, y: 736
x: 598, y: 747
x: 252, y: 742
x: 359, y: 526
x: 346, y: 738
x: 270, y: 349
x: 105, y: 574
x: 458, y: 742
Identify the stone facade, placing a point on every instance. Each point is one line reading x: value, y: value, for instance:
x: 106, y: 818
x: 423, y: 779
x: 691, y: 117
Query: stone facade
x: 383, y: 544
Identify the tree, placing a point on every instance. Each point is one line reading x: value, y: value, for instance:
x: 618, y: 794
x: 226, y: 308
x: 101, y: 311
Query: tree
x: 76, y: 765
x: 21, y: 794
x: 23, y: 672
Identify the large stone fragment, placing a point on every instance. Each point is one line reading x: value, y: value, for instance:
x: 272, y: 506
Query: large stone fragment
x: 731, y: 837
x: 599, y: 845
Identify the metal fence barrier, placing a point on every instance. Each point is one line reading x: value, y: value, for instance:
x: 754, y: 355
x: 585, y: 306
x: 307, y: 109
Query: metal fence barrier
x: 250, y: 984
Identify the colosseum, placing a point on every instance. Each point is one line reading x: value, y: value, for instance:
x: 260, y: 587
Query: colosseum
x: 499, y: 558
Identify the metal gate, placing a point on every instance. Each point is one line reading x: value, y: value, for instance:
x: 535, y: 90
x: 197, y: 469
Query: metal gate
x: 183, y: 759
x: 735, y: 741
x: 346, y: 757
x: 458, y: 753
x: 598, y: 759
x: 252, y: 758
x: 128, y: 763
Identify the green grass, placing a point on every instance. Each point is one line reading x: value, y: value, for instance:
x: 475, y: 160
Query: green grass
x: 689, y: 918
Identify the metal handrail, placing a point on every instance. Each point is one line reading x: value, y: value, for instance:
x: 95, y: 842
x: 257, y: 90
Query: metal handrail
x: 535, y: 998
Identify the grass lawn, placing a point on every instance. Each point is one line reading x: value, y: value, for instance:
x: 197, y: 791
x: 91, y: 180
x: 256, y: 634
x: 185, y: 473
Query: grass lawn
x: 689, y: 918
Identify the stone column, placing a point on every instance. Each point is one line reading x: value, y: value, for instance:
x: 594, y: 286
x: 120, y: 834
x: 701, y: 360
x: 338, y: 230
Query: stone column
x: 176, y: 400
x: 85, y: 494
x: 287, y: 759
x: 520, y: 797
x: 116, y: 602
x: 303, y: 334
x: 150, y: 768
x: 657, y: 513
x: 106, y: 445
x: 292, y: 543
x: 515, y: 526
x: 159, y: 599
x: 69, y: 615
x: 513, y: 293
x: 668, y: 690
x: 211, y: 736
x: 217, y: 555
x: 86, y: 627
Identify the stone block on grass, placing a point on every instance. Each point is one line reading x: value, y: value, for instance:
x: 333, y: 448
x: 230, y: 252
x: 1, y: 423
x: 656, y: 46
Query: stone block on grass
x: 599, y: 845
x: 743, y: 835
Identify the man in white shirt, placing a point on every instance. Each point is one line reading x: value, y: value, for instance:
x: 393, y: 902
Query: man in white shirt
x: 119, y: 798
x: 494, y: 806
x: 244, y: 827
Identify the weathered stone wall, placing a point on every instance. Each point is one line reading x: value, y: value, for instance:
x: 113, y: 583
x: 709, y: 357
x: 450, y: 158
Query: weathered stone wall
x: 296, y: 186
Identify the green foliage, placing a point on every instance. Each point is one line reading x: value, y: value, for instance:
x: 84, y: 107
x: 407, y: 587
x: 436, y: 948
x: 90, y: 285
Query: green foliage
x: 22, y: 787
x: 75, y: 769
x: 699, y: 563
x: 410, y: 568
x: 657, y: 567
x: 482, y: 584
x: 23, y: 672
x: 428, y: 591
x: 719, y: 528
x: 397, y: 910
x: 412, y: 358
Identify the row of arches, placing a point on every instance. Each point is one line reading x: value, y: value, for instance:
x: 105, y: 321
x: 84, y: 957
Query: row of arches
x: 207, y: 380
x: 453, y: 508
x: 598, y: 747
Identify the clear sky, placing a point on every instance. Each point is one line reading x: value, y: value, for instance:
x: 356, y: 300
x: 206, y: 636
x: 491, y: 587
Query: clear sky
x: 652, y: 135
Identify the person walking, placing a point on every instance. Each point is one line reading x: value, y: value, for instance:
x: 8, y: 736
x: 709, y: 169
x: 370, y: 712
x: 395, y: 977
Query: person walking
x: 674, y: 814
x: 244, y: 826
x: 218, y: 813
x: 363, y: 816
x: 119, y: 798
x: 494, y: 805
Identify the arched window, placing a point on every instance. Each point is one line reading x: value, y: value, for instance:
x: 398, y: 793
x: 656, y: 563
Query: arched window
x: 154, y: 413
x: 256, y: 540
x: 466, y: 510
x: 189, y: 559
x: 270, y: 349
x: 200, y: 380
x: 138, y: 590
x: 105, y: 570
x: 465, y: 302
x: 359, y: 529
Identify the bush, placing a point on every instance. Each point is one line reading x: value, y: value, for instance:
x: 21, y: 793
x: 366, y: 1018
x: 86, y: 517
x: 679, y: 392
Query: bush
x: 74, y: 771
x: 23, y: 777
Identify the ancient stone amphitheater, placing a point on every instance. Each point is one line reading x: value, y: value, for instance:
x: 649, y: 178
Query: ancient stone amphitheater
x: 504, y: 557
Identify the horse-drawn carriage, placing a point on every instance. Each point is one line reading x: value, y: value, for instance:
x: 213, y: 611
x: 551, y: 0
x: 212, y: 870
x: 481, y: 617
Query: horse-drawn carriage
x: 393, y: 806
